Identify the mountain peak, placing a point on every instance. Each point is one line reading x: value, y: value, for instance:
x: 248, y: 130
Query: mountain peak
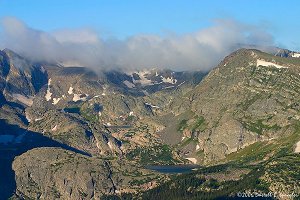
x: 10, y: 52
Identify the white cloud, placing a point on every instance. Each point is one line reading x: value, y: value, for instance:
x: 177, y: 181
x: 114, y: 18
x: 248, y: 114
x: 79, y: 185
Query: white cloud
x: 198, y: 51
x: 76, y: 36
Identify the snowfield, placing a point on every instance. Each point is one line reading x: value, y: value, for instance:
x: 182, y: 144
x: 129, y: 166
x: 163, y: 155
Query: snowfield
x: 169, y: 80
x: 80, y: 97
x: 297, y: 149
x: 70, y: 91
x: 54, y: 128
x: 268, y: 64
x: 152, y: 106
x: 143, y: 80
x: 48, y: 94
x: 193, y: 160
x: 55, y: 101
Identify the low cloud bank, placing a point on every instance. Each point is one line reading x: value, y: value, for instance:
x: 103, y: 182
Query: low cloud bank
x: 200, y: 50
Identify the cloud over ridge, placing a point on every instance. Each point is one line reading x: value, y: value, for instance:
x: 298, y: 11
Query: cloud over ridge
x: 200, y: 50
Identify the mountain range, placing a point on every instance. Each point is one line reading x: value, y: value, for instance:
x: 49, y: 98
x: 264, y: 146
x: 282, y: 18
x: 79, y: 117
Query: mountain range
x: 75, y: 133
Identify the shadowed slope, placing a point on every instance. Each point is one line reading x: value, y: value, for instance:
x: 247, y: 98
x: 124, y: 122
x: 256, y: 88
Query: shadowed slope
x: 8, y: 152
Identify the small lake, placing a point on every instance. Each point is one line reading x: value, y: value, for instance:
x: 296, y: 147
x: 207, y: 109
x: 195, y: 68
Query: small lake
x: 75, y: 110
x: 172, y: 169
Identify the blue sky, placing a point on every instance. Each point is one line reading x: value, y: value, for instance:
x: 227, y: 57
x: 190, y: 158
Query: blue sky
x: 121, y: 18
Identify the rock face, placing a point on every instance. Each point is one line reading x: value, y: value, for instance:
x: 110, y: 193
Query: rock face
x: 20, y: 79
x: 250, y: 96
x: 244, y: 102
x: 46, y: 173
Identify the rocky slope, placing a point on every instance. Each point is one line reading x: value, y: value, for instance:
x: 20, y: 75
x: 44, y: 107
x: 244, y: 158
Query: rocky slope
x: 45, y: 173
x: 104, y: 127
x: 251, y: 96
x: 106, y: 115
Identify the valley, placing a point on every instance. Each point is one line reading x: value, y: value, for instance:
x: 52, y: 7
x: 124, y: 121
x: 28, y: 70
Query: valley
x: 73, y: 133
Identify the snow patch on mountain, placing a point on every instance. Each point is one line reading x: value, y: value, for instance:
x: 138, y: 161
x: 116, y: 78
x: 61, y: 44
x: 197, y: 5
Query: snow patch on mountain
x: 48, y: 94
x: 70, y: 91
x: 80, y: 97
x: 54, y: 128
x: 55, y: 101
x: 193, y: 160
x: 152, y: 106
x: 296, y: 55
x: 268, y: 64
x: 27, y: 117
x: 38, y: 119
x: 169, y: 80
x: 297, y: 149
x: 143, y: 79
x: 110, y: 145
